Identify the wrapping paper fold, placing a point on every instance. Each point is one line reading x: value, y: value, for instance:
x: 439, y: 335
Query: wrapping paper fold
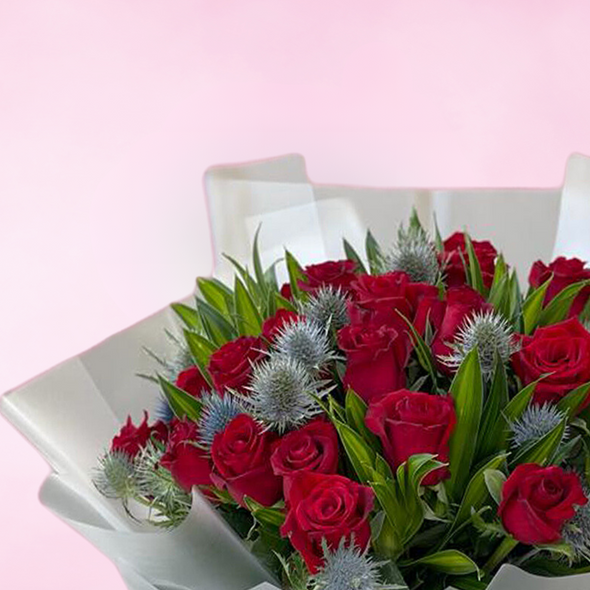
x: 71, y: 413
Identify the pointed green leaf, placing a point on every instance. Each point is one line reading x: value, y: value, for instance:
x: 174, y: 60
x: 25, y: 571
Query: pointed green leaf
x: 374, y: 255
x: 182, y: 403
x: 296, y: 274
x: 519, y: 403
x: 351, y: 254
x: 574, y: 400
x: 356, y: 410
x: 494, y: 480
x: 248, y: 318
x: 449, y: 561
x: 188, y: 315
x: 475, y: 276
x: 216, y: 294
x: 218, y: 329
x: 423, y: 351
x: 201, y: 349
x: 258, y: 270
x: 360, y: 454
x: 542, y: 450
x: 533, y: 306
x: 558, y: 308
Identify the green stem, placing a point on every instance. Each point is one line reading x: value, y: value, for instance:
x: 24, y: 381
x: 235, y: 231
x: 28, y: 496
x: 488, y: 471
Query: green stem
x: 501, y: 552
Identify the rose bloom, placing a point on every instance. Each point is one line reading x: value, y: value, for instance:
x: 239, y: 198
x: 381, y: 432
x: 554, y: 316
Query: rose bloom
x: 454, y: 254
x: 376, y: 359
x: 330, y: 508
x: 537, y: 501
x: 241, y: 458
x: 334, y: 273
x: 192, y: 381
x: 230, y: 367
x: 273, y: 325
x: 188, y: 464
x: 563, y: 352
x: 313, y: 447
x: 565, y: 271
x: 410, y: 423
x: 131, y: 439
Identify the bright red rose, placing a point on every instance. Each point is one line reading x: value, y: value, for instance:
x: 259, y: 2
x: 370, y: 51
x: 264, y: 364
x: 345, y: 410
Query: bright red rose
x: 313, y: 447
x: 563, y: 352
x: 537, y: 501
x: 455, y: 254
x: 376, y: 359
x: 410, y: 423
x: 334, y: 273
x: 273, y: 325
x: 329, y: 507
x: 565, y: 271
x: 131, y: 439
x: 192, y: 381
x: 230, y: 367
x: 286, y: 292
x: 188, y: 464
x: 241, y: 458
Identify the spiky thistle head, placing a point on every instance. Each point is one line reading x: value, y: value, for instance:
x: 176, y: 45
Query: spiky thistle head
x: 281, y: 393
x: 415, y: 254
x: 216, y: 413
x: 115, y: 476
x: 576, y: 531
x: 305, y: 342
x: 348, y: 568
x: 536, y: 421
x: 326, y: 308
x: 490, y: 334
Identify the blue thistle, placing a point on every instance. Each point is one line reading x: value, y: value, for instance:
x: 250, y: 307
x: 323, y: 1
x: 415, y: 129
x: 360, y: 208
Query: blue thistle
x: 115, y: 476
x: 576, y: 532
x: 326, y: 308
x: 535, y: 422
x: 163, y: 410
x: 217, y: 412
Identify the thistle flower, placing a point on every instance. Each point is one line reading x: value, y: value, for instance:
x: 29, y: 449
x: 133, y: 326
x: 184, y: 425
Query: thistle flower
x: 281, y: 393
x: 217, y: 412
x: 490, y: 334
x: 348, y: 568
x: 305, y: 342
x: 115, y: 475
x: 576, y: 532
x: 535, y: 422
x: 163, y: 410
x: 326, y: 308
x: 415, y: 254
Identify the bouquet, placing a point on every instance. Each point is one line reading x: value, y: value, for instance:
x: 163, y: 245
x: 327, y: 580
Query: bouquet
x: 403, y: 419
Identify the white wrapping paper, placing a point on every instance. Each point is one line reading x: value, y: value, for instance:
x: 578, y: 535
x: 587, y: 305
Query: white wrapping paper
x: 71, y: 413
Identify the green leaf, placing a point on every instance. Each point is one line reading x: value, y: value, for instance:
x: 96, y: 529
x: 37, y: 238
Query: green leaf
x: 351, y: 254
x: 449, y: 561
x: 217, y: 327
x: 296, y: 274
x: 181, y: 403
x: 258, y: 270
x: 356, y: 410
x: 360, y: 454
x: 494, y: 480
x: 188, y: 315
x: 533, y: 306
x: 201, y: 349
x: 255, y: 292
x: 574, y: 400
x: 269, y: 516
x: 374, y: 255
x: 467, y: 392
x: 216, y: 294
x: 283, y: 303
x: 558, y: 308
x: 438, y: 241
x: 475, y: 276
x: 542, y: 450
x: 515, y: 299
x: 248, y: 317
x: 519, y: 403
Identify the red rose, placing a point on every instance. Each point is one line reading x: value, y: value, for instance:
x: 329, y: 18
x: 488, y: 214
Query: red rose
x: 536, y: 502
x: 131, y: 439
x: 376, y: 359
x: 563, y: 351
x: 188, y: 464
x: 314, y: 447
x: 329, y: 507
x: 273, y: 325
x: 455, y: 255
x: 334, y: 273
x: 565, y: 271
x: 241, y: 458
x: 286, y: 292
x: 230, y: 367
x: 410, y: 423
x: 192, y: 381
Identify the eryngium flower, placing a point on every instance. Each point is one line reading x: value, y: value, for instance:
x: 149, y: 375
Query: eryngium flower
x: 535, y: 422
x: 326, y: 308
x: 216, y: 413
x: 281, y: 393
x: 415, y: 254
x: 490, y: 334
x: 305, y: 342
x: 348, y: 568
x: 576, y: 532
x: 115, y: 475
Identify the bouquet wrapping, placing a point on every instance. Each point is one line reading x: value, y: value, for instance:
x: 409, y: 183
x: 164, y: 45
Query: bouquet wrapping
x: 72, y: 412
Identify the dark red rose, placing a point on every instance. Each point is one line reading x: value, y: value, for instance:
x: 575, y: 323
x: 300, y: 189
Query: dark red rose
x: 378, y: 298
x: 241, y: 458
x: 192, y: 381
x: 131, y: 439
x: 286, y: 292
x: 565, y: 271
x: 410, y: 423
x: 329, y: 507
x: 334, y: 273
x: 563, y: 351
x: 537, y: 501
x: 455, y: 255
x: 230, y: 367
x: 376, y: 358
x: 273, y: 325
x: 188, y: 464
x: 313, y: 447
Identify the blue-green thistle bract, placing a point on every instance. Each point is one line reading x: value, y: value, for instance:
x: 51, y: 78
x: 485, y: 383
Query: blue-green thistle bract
x: 326, y: 308
x: 535, y: 422
x: 217, y: 412
x: 576, y: 532
x: 115, y: 476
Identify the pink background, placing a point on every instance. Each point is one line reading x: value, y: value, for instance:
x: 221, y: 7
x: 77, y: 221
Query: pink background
x: 111, y: 110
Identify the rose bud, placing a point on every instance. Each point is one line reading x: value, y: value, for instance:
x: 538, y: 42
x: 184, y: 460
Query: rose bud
x: 537, y: 501
x: 326, y: 509
x: 455, y: 254
x: 411, y: 423
x: 131, y: 439
x: 192, y: 381
x: 241, y: 459
x: 273, y: 325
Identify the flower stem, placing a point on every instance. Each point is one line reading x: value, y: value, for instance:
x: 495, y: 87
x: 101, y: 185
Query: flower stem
x: 501, y: 552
